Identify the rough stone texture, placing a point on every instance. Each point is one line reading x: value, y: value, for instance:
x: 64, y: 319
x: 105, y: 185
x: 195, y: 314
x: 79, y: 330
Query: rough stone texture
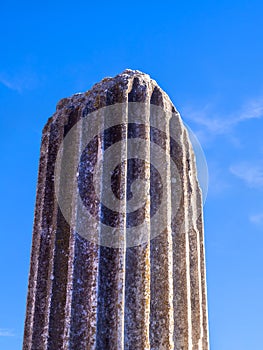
x: 84, y: 296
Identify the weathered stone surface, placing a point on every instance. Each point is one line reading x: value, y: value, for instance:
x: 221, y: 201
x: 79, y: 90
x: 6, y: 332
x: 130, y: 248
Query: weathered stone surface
x: 86, y: 289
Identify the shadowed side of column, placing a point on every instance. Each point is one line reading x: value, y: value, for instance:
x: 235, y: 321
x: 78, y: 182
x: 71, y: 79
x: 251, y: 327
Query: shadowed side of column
x: 31, y: 297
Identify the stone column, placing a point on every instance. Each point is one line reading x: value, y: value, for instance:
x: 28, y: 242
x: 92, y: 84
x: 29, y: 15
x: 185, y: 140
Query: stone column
x: 117, y: 257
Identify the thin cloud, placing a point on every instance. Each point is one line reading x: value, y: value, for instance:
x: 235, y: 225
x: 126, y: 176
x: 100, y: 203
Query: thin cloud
x: 6, y: 332
x: 7, y: 83
x: 15, y: 84
x: 256, y: 219
x: 251, y: 174
x: 214, y: 124
x: 253, y: 110
x: 24, y: 80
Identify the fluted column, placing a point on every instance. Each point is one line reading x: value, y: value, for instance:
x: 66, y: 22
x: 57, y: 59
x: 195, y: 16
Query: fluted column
x: 117, y: 257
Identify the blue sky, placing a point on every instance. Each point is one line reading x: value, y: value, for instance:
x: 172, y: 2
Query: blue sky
x: 207, y: 55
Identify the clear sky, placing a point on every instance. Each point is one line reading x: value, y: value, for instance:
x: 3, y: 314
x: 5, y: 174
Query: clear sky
x: 207, y: 55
